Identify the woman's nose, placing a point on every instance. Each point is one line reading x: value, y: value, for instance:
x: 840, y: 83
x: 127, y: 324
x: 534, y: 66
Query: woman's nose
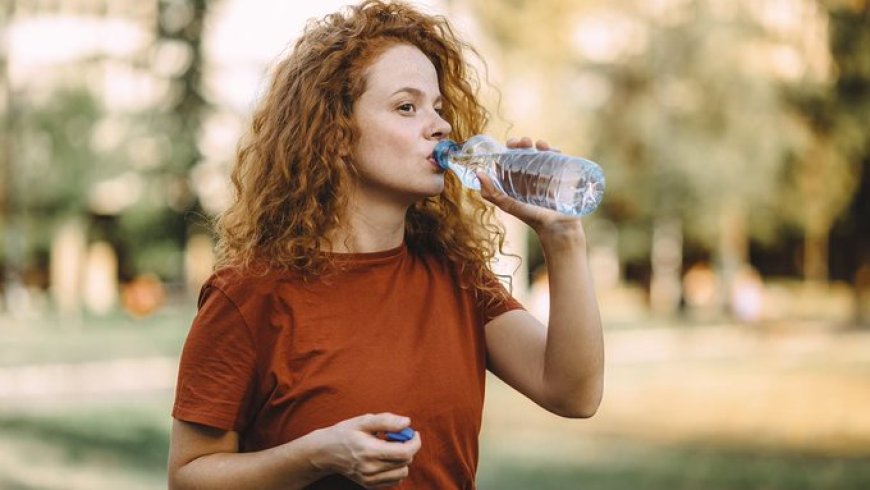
x: 441, y: 128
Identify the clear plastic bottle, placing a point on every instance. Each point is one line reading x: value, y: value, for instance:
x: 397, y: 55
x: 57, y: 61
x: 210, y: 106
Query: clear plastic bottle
x: 570, y: 185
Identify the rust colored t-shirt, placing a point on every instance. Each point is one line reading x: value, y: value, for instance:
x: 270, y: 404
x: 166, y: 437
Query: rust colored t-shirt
x: 274, y: 358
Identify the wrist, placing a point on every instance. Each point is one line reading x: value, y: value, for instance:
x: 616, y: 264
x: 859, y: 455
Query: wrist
x: 561, y: 236
x: 316, y: 453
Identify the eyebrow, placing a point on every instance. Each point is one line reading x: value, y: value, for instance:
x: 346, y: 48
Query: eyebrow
x: 417, y: 92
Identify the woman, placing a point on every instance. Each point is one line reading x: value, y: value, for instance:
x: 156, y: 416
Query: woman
x: 354, y: 296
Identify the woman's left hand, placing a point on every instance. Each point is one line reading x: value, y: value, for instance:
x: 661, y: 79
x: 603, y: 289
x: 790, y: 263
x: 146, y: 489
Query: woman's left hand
x: 538, y: 218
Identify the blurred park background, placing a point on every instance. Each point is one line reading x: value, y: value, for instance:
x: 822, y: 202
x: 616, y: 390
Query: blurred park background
x: 731, y: 253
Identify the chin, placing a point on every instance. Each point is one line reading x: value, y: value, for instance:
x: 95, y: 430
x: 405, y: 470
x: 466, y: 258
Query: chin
x: 419, y: 196
x: 433, y: 187
x: 438, y: 189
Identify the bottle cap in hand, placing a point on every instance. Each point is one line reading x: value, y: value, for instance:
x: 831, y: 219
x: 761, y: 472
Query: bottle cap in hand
x: 403, y: 435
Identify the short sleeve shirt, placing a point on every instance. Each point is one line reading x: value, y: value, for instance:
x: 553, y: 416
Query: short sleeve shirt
x: 274, y: 357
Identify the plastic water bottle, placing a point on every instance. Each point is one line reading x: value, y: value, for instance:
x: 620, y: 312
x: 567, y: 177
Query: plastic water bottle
x: 570, y: 185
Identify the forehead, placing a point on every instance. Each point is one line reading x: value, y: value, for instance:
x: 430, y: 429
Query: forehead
x: 401, y: 65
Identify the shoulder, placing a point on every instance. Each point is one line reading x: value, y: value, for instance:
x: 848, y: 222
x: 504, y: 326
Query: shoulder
x: 247, y: 289
x: 232, y: 279
x: 235, y: 280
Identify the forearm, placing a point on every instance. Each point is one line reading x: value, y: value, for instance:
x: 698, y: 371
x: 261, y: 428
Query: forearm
x: 284, y: 467
x: 574, y: 355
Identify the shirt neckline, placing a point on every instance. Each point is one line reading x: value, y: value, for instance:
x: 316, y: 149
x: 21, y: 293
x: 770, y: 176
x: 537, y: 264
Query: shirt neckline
x: 381, y: 256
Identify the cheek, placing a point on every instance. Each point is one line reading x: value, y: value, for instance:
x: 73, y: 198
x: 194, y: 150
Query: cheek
x: 401, y: 137
x: 383, y: 141
x: 372, y: 149
x: 386, y: 145
x: 366, y: 147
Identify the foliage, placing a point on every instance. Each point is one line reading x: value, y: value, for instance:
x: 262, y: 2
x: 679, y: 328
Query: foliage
x: 126, y: 173
x: 692, y: 109
x: 55, y: 161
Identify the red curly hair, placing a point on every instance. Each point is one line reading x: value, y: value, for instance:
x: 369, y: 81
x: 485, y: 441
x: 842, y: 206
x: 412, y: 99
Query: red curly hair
x: 294, y: 168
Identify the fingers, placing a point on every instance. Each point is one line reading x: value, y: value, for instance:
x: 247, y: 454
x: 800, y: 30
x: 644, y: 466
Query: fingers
x: 375, y: 466
x: 487, y: 189
x: 542, y: 145
x: 533, y: 216
x: 401, y: 453
x: 394, y: 455
x: 388, y: 463
x: 354, y: 448
x: 382, y: 450
x: 493, y: 194
x: 526, y: 142
x: 384, y: 479
x: 382, y: 422
x: 408, y: 449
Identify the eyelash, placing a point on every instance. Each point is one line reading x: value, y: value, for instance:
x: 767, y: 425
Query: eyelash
x: 401, y: 108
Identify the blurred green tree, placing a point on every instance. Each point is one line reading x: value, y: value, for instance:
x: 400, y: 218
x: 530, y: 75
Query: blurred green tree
x: 850, y: 47
x: 6, y: 13
x: 55, y: 163
x: 702, y: 130
x: 685, y: 115
x: 164, y: 225
x: 824, y: 179
x: 128, y: 172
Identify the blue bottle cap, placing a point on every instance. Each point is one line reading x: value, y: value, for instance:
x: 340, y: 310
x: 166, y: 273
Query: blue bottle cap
x: 403, y: 435
x: 443, y: 149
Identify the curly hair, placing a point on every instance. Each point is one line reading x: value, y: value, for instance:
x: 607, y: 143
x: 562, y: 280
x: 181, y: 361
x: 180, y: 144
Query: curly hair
x: 294, y: 167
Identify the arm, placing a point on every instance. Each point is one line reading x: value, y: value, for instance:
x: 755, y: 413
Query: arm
x: 207, y: 458
x: 204, y: 457
x: 559, y: 366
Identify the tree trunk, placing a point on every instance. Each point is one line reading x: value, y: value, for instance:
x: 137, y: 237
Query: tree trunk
x: 667, y: 262
x: 815, y: 256
x: 733, y: 250
x: 6, y: 142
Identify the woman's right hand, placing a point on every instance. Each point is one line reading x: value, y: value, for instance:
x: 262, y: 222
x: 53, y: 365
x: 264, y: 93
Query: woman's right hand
x: 353, y: 449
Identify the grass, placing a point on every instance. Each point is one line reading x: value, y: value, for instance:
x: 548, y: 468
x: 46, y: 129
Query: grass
x: 56, y: 340
x: 760, y: 418
x: 625, y: 464
x: 675, y: 470
x: 110, y: 445
x: 81, y: 442
x: 123, y: 444
x: 127, y: 435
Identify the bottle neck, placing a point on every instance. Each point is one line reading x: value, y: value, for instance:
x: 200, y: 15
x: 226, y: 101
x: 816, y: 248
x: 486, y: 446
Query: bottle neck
x: 442, y: 152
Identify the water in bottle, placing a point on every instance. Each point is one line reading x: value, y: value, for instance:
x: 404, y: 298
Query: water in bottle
x: 570, y: 185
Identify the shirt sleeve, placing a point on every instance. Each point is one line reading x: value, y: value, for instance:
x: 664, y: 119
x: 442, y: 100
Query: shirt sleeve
x: 217, y: 369
x: 493, y: 309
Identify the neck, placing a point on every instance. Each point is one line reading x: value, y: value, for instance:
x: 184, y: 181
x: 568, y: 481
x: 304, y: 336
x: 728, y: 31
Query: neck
x: 369, y: 227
